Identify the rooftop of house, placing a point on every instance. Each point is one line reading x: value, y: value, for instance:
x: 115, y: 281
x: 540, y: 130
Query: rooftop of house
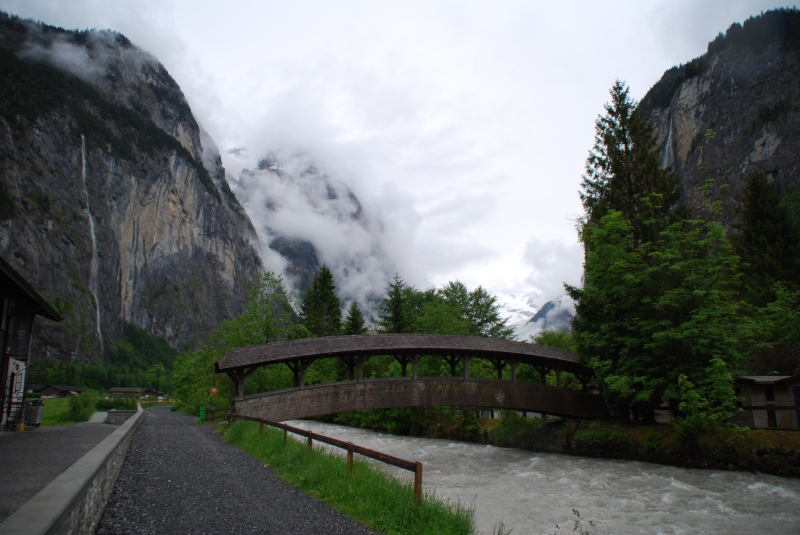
x: 769, y: 379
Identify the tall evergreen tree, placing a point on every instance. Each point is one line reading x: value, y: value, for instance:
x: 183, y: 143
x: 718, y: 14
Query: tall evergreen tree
x: 354, y: 322
x: 321, y: 311
x: 624, y: 173
x: 767, y: 241
x: 393, y: 315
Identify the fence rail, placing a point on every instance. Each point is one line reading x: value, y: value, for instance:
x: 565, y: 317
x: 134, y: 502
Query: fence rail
x: 213, y: 414
x: 411, y: 466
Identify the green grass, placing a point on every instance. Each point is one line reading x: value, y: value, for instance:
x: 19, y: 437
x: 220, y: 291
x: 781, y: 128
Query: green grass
x: 67, y: 411
x: 56, y: 412
x: 367, y: 495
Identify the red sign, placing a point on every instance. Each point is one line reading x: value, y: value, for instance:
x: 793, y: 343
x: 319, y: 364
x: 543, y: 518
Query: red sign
x: 213, y: 391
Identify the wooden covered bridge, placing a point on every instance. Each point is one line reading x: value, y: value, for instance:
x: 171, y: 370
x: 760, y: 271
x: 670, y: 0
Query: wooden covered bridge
x: 358, y: 393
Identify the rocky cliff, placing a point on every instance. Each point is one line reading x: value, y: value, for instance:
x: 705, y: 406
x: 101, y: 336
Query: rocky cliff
x: 113, y: 201
x: 745, y: 94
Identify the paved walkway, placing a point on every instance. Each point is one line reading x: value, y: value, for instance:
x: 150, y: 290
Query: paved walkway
x: 182, y: 478
x: 35, y: 457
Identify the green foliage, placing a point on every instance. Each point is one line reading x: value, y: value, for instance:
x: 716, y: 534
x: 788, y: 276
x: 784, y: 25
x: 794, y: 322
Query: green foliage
x: 269, y: 317
x: 650, y: 313
x: 354, y: 322
x: 624, y: 173
x: 396, y: 313
x: 598, y: 435
x: 559, y: 339
x: 321, y: 310
x: 138, y: 359
x: 381, y: 502
x: 81, y: 408
x: 712, y: 399
x: 767, y: 241
x: 518, y: 432
x: 778, y: 324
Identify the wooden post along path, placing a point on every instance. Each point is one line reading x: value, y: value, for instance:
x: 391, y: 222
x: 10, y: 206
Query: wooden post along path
x: 411, y: 466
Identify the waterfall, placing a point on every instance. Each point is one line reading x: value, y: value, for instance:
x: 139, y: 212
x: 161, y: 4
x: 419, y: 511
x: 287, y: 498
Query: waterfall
x: 95, y: 260
x: 669, y: 156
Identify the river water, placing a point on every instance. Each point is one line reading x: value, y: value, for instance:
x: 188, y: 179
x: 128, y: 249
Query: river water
x: 532, y: 492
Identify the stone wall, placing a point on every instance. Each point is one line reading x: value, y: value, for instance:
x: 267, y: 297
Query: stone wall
x: 73, y: 503
x: 119, y: 417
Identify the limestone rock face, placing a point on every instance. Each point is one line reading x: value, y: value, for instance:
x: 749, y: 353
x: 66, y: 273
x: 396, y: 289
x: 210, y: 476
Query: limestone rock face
x: 745, y: 93
x: 120, y: 210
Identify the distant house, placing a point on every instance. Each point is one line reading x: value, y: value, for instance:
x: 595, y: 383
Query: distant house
x: 768, y: 401
x: 126, y: 392
x: 59, y: 391
x: 32, y: 388
x: 151, y: 392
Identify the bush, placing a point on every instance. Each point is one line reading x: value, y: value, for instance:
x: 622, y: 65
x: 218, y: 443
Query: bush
x: 81, y: 408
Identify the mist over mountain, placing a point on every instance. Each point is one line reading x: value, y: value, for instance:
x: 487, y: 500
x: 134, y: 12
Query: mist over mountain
x: 304, y: 217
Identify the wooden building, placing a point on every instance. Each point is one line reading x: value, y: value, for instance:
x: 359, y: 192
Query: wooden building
x: 21, y: 304
x: 60, y: 391
x: 126, y: 392
x: 768, y: 401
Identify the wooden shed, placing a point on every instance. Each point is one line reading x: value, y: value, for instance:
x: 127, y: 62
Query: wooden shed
x: 769, y: 401
x: 60, y: 391
x: 126, y: 392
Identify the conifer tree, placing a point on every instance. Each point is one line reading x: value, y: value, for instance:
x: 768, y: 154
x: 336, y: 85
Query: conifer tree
x: 321, y: 311
x: 624, y: 173
x: 394, y: 316
x: 767, y: 242
x: 354, y: 322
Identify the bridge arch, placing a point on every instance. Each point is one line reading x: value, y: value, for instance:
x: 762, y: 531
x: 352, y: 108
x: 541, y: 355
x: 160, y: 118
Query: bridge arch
x: 358, y: 393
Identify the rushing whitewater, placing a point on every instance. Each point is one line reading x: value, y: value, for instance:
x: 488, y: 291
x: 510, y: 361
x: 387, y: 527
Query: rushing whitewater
x: 531, y: 492
x: 95, y: 260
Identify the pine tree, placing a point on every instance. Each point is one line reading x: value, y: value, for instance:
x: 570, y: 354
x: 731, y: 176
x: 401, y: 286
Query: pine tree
x: 354, y: 322
x: 321, y: 311
x: 767, y: 242
x: 394, y: 316
x: 624, y: 173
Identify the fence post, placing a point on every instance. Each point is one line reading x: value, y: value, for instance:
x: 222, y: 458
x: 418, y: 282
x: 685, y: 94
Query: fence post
x: 349, y: 456
x: 418, y: 482
x: 310, y: 443
x: 261, y: 429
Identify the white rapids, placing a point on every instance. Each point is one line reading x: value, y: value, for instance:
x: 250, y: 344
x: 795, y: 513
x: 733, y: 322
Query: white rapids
x: 532, y: 492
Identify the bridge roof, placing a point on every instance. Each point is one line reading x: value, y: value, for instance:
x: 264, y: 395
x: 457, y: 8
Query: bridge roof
x: 398, y: 344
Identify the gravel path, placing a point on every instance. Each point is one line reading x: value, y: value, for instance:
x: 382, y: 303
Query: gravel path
x: 34, y: 458
x: 182, y: 478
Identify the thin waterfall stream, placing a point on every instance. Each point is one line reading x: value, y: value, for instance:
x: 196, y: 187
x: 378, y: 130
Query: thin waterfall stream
x: 95, y: 259
x: 533, y: 492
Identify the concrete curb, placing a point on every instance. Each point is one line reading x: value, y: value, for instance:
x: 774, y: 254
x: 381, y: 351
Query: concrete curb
x: 74, y: 501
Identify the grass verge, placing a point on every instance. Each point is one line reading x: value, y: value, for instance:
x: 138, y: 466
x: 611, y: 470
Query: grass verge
x: 367, y: 495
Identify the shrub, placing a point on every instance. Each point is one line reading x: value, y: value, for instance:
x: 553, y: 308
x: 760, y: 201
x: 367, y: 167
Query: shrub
x: 120, y: 404
x: 81, y: 408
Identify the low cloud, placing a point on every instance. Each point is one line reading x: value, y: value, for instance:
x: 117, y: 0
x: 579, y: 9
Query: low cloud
x: 552, y: 264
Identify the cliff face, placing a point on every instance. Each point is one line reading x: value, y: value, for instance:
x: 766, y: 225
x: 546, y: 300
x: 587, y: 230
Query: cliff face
x: 117, y: 207
x: 746, y: 90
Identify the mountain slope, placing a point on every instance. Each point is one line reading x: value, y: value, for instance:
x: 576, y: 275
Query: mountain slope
x: 746, y: 91
x: 116, y: 205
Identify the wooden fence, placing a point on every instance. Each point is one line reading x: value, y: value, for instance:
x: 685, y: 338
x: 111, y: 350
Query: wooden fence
x: 411, y: 466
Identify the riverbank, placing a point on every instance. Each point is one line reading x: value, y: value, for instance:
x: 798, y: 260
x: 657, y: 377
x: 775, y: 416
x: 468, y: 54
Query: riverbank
x: 368, y: 495
x: 770, y: 451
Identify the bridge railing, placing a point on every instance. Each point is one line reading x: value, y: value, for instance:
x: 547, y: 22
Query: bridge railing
x: 213, y: 414
x: 411, y: 466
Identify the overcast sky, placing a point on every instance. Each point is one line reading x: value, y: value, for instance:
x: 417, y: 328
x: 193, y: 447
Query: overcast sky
x: 476, y: 116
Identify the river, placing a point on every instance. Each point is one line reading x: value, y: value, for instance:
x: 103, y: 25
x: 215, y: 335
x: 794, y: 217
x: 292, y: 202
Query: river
x: 532, y: 492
